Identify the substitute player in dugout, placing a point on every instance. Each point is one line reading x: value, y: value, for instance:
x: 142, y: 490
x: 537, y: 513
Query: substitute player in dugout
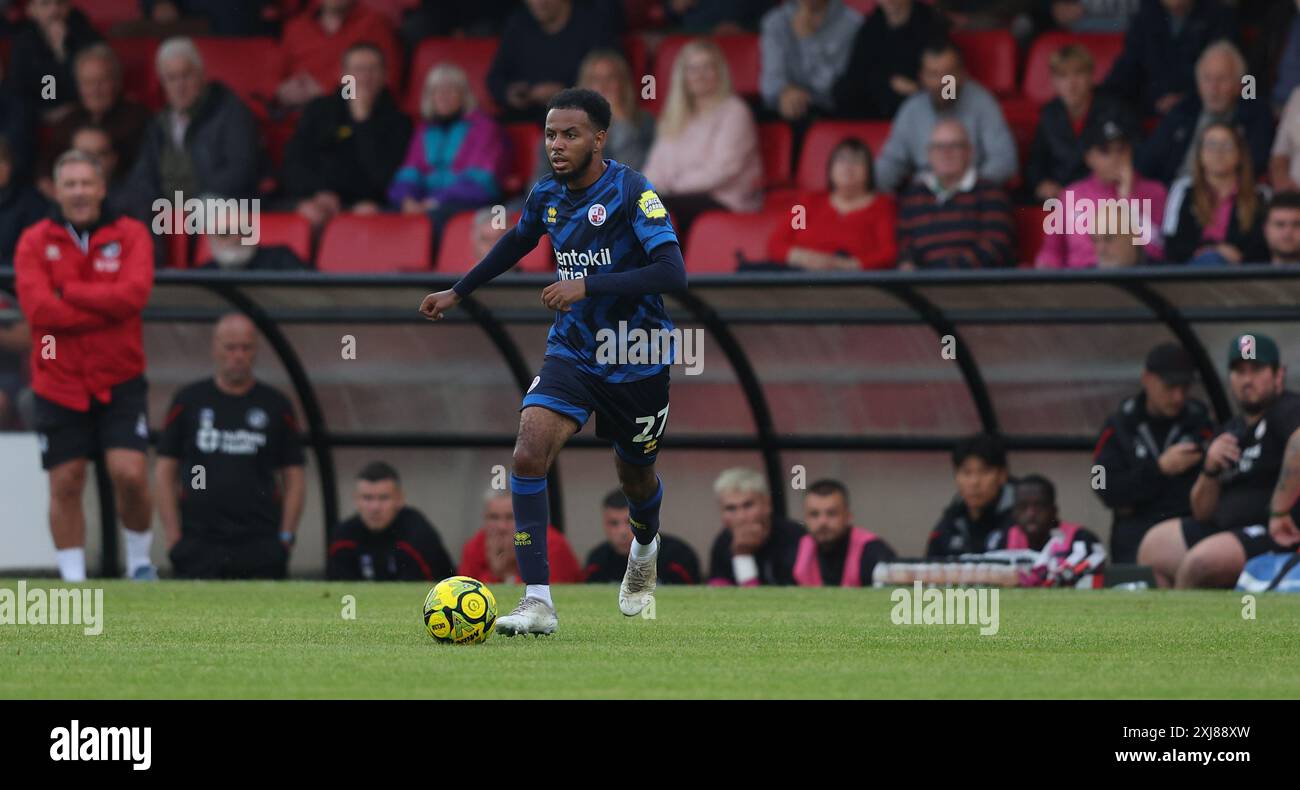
x: 83, y: 276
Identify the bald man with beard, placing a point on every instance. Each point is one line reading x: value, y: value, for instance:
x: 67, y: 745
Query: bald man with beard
x: 230, y: 468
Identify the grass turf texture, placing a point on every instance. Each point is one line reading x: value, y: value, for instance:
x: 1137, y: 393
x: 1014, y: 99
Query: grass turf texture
x: 289, y: 640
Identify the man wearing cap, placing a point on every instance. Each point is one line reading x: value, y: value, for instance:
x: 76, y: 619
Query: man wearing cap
x: 1250, y: 479
x: 1150, y: 451
x: 1092, y: 204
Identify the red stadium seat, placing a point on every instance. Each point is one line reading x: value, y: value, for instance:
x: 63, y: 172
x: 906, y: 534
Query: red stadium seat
x: 716, y: 237
x: 287, y: 229
x: 990, y: 58
x: 252, y: 67
x: 377, y: 243
x: 740, y: 51
x: 104, y: 14
x: 474, y: 55
x: 777, y: 144
x: 1105, y: 48
x: 139, y: 79
x: 782, y: 199
x: 456, y: 250
x: 525, y: 149
x: 823, y: 136
x: 1029, y: 233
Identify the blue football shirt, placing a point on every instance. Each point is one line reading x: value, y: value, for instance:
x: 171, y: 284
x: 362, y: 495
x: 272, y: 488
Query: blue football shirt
x: 611, y: 226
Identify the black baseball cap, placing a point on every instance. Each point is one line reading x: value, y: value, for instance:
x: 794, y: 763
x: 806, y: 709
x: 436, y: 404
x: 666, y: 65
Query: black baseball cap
x: 1172, y: 364
x: 1107, y: 129
x: 1253, y: 347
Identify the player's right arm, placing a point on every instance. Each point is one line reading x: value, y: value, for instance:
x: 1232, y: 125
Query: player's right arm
x: 509, y: 250
x: 1223, y: 452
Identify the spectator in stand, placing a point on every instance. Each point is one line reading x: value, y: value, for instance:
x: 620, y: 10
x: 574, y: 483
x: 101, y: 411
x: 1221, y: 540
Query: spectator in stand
x: 344, y: 151
x: 316, y: 40
x: 17, y: 128
x: 1121, y: 246
x: 946, y: 93
x: 677, y: 563
x: 1169, y: 152
x: 15, y: 345
x: 1282, y: 228
x: 951, y: 218
x: 84, y: 276
x: 755, y: 546
x: 233, y: 249
x: 1156, y: 69
x: 805, y: 47
x: 485, y: 232
x: 1086, y: 16
x: 1150, y: 450
x: 835, y: 553
x: 21, y: 206
x: 457, y: 157
x: 885, y: 59
x: 439, y: 18
x: 540, y: 51
x: 46, y: 47
x: 1216, y: 215
x: 984, y: 501
x: 489, y: 556
x: 1275, y: 56
x: 705, y: 154
x: 223, y: 17
x: 1108, y: 153
x: 850, y: 227
x: 715, y: 17
x: 95, y: 141
x: 1057, y: 156
x: 1284, y: 166
x: 241, y: 521
x: 204, y: 141
x: 102, y: 104
x: 387, y: 540
x: 631, y: 129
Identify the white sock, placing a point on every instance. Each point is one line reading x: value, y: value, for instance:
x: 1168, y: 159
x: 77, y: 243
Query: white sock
x: 72, y: 564
x: 541, y: 592
x: 137, y: 550
x: 641, y: 551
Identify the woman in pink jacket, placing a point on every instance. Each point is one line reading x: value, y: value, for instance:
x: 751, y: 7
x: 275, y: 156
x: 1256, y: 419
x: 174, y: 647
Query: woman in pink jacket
x: 705, y: 155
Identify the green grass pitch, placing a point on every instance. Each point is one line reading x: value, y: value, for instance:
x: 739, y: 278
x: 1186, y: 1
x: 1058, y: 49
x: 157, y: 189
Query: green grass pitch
x: 289, y: 640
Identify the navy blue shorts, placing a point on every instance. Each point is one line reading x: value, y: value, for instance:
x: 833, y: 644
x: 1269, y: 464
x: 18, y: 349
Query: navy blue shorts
x: 631, y: 415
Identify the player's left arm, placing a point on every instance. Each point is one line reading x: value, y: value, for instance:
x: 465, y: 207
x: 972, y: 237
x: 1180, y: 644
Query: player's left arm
x: 1285, y: 492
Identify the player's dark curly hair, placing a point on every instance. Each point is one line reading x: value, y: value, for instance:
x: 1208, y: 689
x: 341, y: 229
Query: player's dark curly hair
x: 590, y: 102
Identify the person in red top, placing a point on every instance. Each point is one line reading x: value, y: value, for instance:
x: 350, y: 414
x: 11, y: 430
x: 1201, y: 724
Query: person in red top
x: 83, y: 279
x: 850, y: 227
x: 489, y: 556
x: 315, y: 41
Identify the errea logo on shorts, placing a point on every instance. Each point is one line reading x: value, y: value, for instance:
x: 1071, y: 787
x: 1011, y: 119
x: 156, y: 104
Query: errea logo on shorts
x: 95, y: 744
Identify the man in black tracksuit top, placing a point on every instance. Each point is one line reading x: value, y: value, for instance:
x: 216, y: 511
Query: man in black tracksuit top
x: 677, y: 563
x: 1151, y: 451
x: 985, y: 501
x: 386, y: 540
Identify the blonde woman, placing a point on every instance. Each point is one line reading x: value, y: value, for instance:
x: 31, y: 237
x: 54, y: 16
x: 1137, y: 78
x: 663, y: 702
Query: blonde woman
x: 705, y: 155
x: 457, y: 156
x: 632, y: 129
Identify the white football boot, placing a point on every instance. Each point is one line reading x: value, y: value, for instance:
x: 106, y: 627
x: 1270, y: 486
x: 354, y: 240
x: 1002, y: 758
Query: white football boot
x: 532, y: 616
x: 639, y: 580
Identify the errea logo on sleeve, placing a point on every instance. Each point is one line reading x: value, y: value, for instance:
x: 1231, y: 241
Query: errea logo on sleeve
x: 651, y: 206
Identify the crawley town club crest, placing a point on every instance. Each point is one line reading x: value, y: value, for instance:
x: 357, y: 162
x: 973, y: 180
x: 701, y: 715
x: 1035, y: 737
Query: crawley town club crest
x: 596, y: 214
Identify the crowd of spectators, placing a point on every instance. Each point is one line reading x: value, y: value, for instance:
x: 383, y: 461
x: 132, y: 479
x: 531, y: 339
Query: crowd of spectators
x: 336, y: 133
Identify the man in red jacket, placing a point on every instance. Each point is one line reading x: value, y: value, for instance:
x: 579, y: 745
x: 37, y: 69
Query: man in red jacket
x: 83, y: 279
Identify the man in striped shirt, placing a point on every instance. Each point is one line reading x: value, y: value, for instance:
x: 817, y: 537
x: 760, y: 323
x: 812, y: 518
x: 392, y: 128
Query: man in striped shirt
x: 949, y: 218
